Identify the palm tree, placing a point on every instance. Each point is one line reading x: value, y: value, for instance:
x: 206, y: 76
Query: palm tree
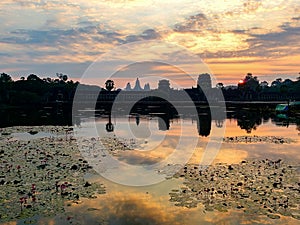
x: 220, y: 85
x: 109, y: 85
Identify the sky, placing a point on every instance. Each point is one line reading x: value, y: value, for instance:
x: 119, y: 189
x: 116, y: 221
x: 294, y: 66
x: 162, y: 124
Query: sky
x: 229, y: 37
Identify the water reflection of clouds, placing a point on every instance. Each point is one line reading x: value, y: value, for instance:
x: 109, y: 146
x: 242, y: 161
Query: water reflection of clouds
x: 265, y: 129
x: 153, y: 151
x: 242, y: 151
x: 9, y: 223
x: 289, y: 152
x: 121, y: 208
x: 235, y: 217
x: 127, y: 207
x: 230, y: 155
x: 26, y: 136
x: 162, y: 143
x: 139, y: 158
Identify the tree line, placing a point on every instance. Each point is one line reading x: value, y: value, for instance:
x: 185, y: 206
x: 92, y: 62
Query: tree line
x: 250, y: 88
x: 34, y: 90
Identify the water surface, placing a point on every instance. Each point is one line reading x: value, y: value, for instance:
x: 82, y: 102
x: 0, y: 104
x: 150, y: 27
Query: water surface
x: 156, y: 138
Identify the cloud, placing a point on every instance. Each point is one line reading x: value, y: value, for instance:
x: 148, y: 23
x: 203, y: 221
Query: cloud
x: 60, y: 36
x: 274, y: 44
x: 149, y: 34
x: 22, y: 36
x: 239, y: 31
x: 43, y: 4
x: 89, y: 40
x: 76, y: 32
x: 252, y: 5
x: 194, y: 23
x: 284, y: 37
x: 75, y: 45
x: 296, y: 18
x: 128, y: 208
x: 45, y: 69
x: 259, y: 44
x: 2, y: 54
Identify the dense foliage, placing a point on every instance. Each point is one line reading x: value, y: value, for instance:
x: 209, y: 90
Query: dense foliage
x: 35, y: 91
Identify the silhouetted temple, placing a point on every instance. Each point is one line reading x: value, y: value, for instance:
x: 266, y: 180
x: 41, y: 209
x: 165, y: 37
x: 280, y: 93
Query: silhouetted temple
x: 196, y: 94
x: 137, y: 86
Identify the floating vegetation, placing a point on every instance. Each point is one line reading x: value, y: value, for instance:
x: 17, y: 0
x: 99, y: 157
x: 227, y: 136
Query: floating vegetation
x: 114, y: 144
x: 95, y: 149
x: 258, y: 139
x: 39, y: 176
x: 55, y: 130
x: 262, y: 187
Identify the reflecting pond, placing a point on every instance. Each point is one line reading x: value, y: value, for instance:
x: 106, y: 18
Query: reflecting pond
x: 141, y: 141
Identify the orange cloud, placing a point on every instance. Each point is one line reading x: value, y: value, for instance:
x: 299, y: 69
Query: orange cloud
x: 128, y: 208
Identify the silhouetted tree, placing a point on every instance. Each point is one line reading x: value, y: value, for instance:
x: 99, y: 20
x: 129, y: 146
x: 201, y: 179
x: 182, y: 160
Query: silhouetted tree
x: 62, y: 77
x: 5, y: 78
x: 264, y: 84
x: 5, y: 85
x: 33, y: 77
x: 109, y: 85
x: 220, y: 85
x: 249, y: 86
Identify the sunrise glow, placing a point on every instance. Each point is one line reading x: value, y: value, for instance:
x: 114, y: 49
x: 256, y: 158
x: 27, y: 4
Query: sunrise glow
x: 231, y: 37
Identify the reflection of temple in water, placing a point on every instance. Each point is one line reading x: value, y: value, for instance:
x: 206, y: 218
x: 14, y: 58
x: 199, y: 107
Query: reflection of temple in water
x: 137, y: 119
x: 204, y: 124
x: 219, y: 123
x: 164, y: 122
x: 245, y: 120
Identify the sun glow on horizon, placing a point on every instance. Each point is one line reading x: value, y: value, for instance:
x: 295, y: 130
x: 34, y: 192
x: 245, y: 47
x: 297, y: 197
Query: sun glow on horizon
x: 231, y: 37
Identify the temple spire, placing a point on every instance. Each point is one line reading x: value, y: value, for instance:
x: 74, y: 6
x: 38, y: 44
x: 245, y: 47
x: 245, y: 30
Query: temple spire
x: 137, y: 86
x: 128, y: 87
